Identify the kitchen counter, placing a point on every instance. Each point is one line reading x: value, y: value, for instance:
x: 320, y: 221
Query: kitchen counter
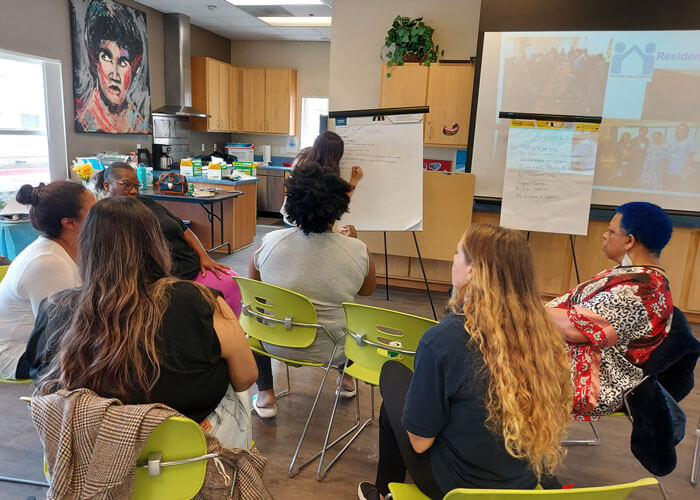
x: 207, y: 180
x: 275, y: 167
x: 239, y: 213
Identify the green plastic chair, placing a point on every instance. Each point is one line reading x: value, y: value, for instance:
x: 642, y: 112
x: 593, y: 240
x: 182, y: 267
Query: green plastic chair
x: 283, y: 318
x: 373, y: 336
x: 173, y: 461
x: 402, y: 491
x: 3, y: 271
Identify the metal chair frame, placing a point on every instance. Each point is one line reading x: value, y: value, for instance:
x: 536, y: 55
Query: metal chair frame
x: 696, y: 457
x: 288, y: 323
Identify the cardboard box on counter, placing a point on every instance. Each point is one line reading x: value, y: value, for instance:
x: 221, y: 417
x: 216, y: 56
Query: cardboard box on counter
x: 217, y: 171
x: 190, y: 167
x: 247, y: 167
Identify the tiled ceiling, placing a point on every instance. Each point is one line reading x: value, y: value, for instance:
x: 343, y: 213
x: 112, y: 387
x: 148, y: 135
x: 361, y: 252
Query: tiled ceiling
x: 241, y: 23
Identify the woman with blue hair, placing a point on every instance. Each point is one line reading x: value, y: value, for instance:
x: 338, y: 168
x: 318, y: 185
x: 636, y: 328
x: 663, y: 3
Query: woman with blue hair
x: 614, y: 321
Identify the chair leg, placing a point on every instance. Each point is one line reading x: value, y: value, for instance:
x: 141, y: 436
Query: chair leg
x: 696, y: 458
x: 584, y: 442
x: 292, y: 471
x: 285, y: 392
x: 24, y: 481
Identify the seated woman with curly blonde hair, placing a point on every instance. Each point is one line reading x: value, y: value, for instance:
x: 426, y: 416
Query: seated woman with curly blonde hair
x: 490, y: 397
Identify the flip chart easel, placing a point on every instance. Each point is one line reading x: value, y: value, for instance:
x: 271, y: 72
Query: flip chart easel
x: 380, y: 115
x: 549, y: 173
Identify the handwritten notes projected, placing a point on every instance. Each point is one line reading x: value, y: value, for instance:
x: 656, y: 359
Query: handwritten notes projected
x: 549, y: 176
x: 389, y: 197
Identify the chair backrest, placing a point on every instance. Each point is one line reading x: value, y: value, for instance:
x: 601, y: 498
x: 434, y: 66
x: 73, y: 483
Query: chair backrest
x: 396, y: 330
x: 276, y: 315
x: 177, y: 438
x: 614, y: 492
x: 3, y: 271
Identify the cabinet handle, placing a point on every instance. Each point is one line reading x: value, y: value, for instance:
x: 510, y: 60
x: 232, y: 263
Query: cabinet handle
x: 430, y: 132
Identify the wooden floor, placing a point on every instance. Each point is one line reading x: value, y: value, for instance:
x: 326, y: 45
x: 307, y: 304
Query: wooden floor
x: 610, y: 462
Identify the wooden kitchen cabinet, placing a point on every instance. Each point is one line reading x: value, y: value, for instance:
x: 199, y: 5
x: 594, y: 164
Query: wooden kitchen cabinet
x: 280, y: 100
x: 445, y: 87
x: 450, y: 100
x: 407, y: 86
x: 235, y: 99
x: 253, y: 100
x: 210, y: 93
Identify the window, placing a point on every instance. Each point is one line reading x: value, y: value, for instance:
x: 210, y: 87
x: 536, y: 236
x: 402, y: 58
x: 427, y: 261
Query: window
x: 311, y: 110
x: 32, y: 134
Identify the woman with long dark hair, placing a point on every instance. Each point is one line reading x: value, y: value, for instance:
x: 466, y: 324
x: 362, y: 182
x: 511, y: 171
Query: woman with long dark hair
x: 46, y: 266
x: 135, y: 333
x: 488, y: 403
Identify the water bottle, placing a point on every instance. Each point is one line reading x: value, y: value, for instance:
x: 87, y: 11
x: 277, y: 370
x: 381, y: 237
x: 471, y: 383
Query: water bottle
x: 142, y: 176
x: 149, y: 176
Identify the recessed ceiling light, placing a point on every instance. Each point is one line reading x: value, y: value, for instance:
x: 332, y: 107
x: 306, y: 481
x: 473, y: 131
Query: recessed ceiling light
x: 278, y: 2
x: 297, y: 21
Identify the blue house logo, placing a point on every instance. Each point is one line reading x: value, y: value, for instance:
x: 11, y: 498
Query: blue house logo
x: 647, y: 57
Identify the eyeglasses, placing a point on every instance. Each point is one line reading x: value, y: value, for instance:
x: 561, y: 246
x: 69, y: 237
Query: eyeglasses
x: 128, y: 186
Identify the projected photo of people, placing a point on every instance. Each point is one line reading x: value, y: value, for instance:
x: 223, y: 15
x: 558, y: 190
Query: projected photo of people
x: 649, y: 155
x: 559, y: 75
x: 110, y: 68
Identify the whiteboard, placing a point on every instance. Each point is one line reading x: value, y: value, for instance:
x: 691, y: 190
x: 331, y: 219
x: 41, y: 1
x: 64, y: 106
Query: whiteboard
x: 549, y: 176
x: 389, y: 149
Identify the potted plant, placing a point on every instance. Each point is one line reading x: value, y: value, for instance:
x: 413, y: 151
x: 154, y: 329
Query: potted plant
x: 410, y: 40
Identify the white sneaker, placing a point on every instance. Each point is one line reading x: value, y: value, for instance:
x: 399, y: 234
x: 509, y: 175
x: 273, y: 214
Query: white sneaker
x: 264, y: 411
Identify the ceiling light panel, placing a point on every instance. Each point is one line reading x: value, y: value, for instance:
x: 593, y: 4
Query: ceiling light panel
x: 278, y: 2
x: 297, y: 21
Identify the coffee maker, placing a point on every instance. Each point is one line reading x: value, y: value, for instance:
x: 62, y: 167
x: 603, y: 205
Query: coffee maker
x: 171, y: 141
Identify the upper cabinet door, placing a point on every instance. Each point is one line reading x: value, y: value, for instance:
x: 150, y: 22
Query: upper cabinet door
x: 213, y: 96
x: 235, y: 95
x: 224, y: 97
x: 280, y: 100
x: 253, y: 99
x: 450, y: 100
x: 407, y: 86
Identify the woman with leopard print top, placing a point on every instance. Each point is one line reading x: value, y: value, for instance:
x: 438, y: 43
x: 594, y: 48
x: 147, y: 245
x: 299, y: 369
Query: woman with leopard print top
x: 614, y: 321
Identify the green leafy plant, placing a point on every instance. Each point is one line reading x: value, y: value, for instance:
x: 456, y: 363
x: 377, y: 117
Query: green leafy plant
x: 410, y: 40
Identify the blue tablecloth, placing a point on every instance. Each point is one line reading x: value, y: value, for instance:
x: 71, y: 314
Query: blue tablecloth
x: 15, y: 237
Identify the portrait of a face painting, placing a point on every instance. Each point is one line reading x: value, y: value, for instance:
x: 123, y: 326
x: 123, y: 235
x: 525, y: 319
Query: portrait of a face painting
x: 110, y: 68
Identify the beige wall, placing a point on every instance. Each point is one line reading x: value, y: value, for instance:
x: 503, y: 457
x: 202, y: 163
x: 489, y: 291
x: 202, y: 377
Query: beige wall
x: 310, y: 59
x: 204, y: 43
x: 42, y: 28
x: 357, y: 38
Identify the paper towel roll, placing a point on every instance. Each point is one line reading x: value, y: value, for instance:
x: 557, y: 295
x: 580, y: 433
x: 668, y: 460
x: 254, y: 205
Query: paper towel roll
x: 266, y: 154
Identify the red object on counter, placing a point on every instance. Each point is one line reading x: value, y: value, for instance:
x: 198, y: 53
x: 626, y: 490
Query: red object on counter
x: 437, y: 165
x: 286, y: 164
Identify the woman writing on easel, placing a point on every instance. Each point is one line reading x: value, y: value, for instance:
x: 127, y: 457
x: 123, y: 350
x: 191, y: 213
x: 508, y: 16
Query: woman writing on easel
x: 327, y: 151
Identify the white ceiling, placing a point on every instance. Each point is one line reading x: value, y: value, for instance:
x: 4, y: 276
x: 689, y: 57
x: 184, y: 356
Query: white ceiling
x: 240, y: 23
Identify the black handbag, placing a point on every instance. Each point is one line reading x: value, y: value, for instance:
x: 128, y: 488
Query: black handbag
x: 172, y: 184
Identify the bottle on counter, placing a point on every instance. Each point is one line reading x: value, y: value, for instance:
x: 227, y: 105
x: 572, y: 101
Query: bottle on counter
x: 149, y: 176
x: 142, y: 175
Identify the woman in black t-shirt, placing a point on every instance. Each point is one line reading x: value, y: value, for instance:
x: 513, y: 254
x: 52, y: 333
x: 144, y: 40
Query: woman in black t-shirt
x: 490, y: 397
x: 132, y: 331
x: 190, y: 261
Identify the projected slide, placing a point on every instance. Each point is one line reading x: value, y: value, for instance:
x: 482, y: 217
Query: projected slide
x: 645, y: 85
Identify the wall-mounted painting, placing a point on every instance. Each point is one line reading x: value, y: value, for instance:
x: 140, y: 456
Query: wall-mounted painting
x: 110, y: 68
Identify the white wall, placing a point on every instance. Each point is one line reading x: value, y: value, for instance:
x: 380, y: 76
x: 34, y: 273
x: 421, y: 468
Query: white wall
x: 357, y: 38
x: 310, y: 59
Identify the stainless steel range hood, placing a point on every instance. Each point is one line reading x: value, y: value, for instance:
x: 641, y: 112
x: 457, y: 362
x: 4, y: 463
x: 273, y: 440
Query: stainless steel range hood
x: 178, y: 76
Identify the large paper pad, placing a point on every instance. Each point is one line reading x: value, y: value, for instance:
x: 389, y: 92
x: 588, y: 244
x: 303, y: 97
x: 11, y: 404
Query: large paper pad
x: 549, y: 176
x: 390, y: 151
